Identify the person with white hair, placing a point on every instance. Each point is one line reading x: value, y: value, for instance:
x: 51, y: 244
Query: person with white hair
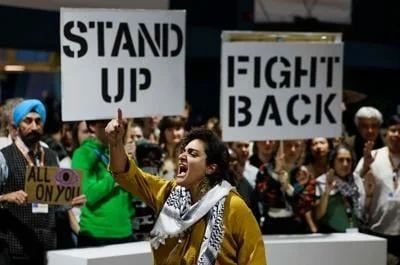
x: 368, y: 121
x: 381, y: 167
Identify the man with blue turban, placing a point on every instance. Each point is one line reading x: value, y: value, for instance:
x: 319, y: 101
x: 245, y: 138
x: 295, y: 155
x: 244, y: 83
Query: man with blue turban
x: 29, y: 230
x: 29, y: 117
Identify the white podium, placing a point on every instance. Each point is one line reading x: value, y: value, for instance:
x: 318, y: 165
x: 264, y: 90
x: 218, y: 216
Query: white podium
x: 329, y: 249
x: 326, y: 249
x: 138, y: 253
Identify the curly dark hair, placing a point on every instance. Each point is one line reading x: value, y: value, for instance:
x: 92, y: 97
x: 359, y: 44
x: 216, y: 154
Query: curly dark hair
x: 216, y: 153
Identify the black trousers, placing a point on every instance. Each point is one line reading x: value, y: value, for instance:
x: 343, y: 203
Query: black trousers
x: 26, y: 261
x: 4, y: 256
x: 7, y: 259
x: 88, y: 241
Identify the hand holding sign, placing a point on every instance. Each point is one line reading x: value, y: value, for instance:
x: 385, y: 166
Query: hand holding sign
x: 52, y: 185
x: 17, y: 197
x: 78, y: 201
x: 123, y: 55
x: 115, y: 130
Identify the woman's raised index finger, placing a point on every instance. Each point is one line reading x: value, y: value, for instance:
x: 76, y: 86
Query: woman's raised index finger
x: 119, y: 117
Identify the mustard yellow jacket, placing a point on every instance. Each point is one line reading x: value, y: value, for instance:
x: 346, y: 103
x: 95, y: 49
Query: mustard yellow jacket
x: 242, y: 243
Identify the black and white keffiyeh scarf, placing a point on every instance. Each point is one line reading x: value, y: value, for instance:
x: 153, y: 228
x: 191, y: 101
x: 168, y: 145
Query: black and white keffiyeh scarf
x: 349, y: 190
x: 177, y: 215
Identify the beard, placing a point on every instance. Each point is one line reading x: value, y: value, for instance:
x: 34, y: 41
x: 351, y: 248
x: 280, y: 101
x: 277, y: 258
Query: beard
x: 31, y: 138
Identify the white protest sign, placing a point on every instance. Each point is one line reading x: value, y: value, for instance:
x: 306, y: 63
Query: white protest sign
x: 128, y: 59
x: 281, y: 90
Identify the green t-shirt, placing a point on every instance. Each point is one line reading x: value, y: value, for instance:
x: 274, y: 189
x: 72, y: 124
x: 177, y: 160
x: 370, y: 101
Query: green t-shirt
x: 108, y: 211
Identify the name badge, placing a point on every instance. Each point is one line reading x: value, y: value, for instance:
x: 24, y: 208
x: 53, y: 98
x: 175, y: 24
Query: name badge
x: 40, y: 208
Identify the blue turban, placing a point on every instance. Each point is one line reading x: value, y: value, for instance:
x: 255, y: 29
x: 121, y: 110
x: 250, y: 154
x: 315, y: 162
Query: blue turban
x: 27, y: 106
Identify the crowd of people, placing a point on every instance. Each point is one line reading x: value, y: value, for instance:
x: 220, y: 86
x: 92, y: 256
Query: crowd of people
x: 318, y: 185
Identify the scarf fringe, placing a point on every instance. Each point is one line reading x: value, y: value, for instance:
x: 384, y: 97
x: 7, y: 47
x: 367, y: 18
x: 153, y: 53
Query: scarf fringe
x: 177, y: 216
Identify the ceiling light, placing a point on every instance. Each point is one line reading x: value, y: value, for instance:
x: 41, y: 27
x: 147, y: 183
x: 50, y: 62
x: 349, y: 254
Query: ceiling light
x: 14, y: 68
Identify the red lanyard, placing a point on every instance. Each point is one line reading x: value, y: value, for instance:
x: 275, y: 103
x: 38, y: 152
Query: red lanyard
x: 25, y: 151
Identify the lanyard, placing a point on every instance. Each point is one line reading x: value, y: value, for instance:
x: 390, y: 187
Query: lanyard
x: 105, y: 159
x: 25, y: 152
x: 395, y: 171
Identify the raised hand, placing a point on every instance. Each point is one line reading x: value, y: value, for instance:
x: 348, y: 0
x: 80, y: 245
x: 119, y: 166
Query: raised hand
x: 368, y: 158
x: 283, y: 178
x: 369, y: 184
x: 330, y: 180
x: 280, y: 159
x: 115, y: 130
